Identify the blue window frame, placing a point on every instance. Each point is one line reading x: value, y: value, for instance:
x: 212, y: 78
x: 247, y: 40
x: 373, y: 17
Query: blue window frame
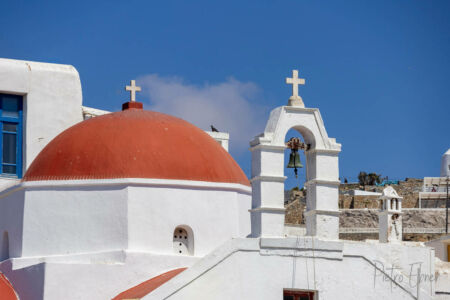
x: 11, y: 135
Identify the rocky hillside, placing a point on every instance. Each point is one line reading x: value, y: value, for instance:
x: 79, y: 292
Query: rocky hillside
x: 409, y: 189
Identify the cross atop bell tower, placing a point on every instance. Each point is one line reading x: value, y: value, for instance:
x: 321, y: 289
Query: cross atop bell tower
x: 295, y: 99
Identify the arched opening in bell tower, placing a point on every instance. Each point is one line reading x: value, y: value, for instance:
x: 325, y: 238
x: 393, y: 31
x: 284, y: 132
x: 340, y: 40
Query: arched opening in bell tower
x: 296, y: 168
x: 294, y: 181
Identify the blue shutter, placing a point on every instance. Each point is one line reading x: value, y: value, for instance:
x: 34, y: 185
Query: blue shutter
x: 11, y: 116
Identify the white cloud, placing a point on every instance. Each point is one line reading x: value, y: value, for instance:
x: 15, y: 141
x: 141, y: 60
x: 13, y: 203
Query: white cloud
x: 231, y: 106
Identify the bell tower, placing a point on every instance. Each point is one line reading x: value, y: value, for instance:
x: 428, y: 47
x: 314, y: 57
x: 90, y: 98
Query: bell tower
x: 322, y: 170
x: 390, y: 216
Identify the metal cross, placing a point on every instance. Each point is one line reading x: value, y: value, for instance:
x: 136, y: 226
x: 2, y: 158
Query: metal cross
x: 133, y: 89
x: 295, y: 81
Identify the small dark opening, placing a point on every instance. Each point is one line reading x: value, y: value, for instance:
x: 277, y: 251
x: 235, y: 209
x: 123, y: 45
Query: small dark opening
x: 298, y: 295
x: 4, y: 251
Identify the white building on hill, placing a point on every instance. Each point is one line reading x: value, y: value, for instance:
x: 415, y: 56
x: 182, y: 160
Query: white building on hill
x: 138, y: 204
x: 437, y: 188
x: 445, y: 164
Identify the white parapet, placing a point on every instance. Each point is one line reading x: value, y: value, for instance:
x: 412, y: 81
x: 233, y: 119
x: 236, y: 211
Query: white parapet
x: 363, y: 193
x: 89, y: 112
x: 222, y: 138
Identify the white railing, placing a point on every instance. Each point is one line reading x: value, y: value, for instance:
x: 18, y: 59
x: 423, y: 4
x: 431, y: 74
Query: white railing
x: 358, y: 230
x: 405, y: 230
x: 433, y: 189
x: 423, y: 230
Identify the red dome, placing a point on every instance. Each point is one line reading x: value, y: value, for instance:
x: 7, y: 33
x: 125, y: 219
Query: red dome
x: 135, y: 143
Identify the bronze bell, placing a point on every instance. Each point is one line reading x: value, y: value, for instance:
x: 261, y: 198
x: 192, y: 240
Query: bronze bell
x: 294, y: 161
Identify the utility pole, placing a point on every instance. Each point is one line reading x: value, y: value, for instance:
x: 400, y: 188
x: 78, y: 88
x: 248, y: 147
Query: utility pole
x: 446, y: 211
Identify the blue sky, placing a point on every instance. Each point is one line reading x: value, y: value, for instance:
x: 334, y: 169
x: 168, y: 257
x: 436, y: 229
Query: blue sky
x: 378, y: 70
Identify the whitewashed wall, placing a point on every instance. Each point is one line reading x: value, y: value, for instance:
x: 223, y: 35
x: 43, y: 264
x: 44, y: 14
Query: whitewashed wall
x: 67, y: 220
x: 11, y: 224
x: 68, y: 217
x: 52, y: 102
x: 258, y: 269
x: 214, y: 212
x: 440, y: 246
x: 118, y: 232
x: 93, y: 276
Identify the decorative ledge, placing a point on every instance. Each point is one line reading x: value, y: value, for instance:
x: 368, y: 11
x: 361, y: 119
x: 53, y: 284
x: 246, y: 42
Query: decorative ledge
x: 322, y: 181
x: 273, y: 209
x: 335, y: 213
x: 268, y: 178
x: 268, y: 147
x: 302, y: 247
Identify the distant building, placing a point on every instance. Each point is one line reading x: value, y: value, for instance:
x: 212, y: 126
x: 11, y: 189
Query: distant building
x: 435, y: 188
x: 445, y: 164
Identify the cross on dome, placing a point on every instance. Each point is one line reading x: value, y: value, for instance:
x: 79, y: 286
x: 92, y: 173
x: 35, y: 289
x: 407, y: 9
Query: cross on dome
x: 132, y: 88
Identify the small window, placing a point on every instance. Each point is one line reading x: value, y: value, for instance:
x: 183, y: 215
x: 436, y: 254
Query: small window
x: 298, y: 295
x: 11, y: 135
x: 183, y: 243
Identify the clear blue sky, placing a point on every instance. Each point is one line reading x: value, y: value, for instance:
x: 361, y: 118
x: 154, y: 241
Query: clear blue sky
x: 378, y: 70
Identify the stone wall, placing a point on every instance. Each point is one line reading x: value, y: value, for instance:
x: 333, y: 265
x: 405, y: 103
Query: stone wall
x: 356, y: 218
x: 412, y: 218
x: 424, y: 218
x: 358, y: 236
x: 421, y: 237
x: 351, y: 202
x: 294, y: 211
x: 362, y: 211
x: 410, y: 237
x: 409, y: 189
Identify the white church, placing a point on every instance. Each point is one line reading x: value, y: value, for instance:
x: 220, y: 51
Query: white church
x: 137, y: 204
